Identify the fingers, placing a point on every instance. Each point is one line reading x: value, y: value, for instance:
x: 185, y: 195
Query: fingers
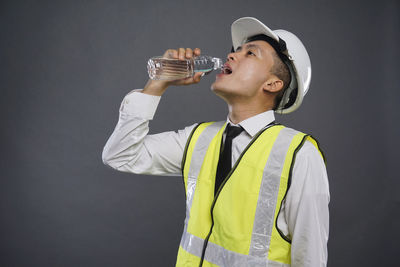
x: 195, y: 79
x: 185, y: 53
x: 171, y: 53
x: 197, y: 51
x: 182, y: 53
x: 189, y: 53
x: 190, y: 80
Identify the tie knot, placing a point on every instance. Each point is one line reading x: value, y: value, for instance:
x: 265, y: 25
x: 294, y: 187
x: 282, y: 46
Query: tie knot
x: 233, y: 131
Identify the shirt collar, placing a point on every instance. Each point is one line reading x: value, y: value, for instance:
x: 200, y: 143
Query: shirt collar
x: 254, y: 124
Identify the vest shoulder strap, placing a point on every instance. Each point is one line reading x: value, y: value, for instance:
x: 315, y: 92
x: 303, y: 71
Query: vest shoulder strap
x: 198, y: 141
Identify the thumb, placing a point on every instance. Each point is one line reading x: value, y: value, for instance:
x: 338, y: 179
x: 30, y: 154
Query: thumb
x: 197, y: 76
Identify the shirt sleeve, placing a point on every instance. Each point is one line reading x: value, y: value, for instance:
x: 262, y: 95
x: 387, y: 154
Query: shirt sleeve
x: 306, y: 209
x: 131, y: 149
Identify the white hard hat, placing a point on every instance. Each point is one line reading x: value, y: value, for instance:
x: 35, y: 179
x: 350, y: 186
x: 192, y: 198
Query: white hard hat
x: 295, y: 55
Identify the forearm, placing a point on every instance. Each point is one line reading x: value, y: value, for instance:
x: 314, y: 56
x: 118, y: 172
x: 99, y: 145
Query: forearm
x: 155, y: 88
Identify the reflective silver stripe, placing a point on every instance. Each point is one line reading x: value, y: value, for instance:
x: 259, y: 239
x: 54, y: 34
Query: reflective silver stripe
x: 277, y: 264
x: 199, y: 152
x: 192, y: 244
x: 265, y: 211
x: 217, y: 254
x: 223, y: 257
x: 220, y: 256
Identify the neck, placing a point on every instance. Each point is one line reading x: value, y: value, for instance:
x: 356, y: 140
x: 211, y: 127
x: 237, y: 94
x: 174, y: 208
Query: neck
x: 239, y: 112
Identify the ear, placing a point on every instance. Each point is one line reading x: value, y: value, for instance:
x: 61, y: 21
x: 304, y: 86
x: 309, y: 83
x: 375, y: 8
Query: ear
x: 273, y: 85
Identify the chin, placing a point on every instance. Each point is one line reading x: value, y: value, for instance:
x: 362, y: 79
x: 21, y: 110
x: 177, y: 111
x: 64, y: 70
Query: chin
x: 220, y: 91
x: 216, y: 88
x: 218, y: 85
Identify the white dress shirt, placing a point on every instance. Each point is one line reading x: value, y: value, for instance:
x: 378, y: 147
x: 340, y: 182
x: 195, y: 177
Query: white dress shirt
x: 304, y: 216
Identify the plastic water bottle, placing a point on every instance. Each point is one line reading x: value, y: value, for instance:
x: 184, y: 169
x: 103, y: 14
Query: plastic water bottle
x: 160, y: 68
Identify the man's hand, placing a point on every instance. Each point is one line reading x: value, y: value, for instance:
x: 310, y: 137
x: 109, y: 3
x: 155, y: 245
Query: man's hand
x: 158, y: 87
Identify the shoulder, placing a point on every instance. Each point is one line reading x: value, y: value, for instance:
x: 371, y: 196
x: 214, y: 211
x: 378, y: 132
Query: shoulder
x: 211, y: 125
x: 309, y: 163
x: 309, y: 170
x: 308, y: 145
x: 308, y: 149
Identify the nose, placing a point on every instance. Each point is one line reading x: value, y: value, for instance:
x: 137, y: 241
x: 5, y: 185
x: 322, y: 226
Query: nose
x: 231, y: 56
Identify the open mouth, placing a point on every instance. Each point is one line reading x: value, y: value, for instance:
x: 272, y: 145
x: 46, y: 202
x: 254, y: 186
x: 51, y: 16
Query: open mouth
x: 226, y: 69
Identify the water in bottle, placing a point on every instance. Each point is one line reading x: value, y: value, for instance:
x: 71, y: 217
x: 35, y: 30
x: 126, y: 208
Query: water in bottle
x: 160, y: 68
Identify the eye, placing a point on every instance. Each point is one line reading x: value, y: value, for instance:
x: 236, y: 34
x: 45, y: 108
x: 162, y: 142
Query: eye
x: 250, y: 53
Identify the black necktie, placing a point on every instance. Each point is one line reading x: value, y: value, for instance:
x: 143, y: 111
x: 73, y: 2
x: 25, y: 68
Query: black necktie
x: 225, y: 158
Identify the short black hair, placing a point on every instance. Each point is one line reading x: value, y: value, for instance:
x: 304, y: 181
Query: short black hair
x: 280, y: 70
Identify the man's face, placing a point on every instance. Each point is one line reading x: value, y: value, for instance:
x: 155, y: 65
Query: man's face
x: 249, y: 66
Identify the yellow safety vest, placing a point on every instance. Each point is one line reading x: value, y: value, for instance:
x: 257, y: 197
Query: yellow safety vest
x: 237, y: 226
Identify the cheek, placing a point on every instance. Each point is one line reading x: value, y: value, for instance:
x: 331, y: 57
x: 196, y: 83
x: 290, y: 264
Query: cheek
x: 253, y: 75
x: 246, y: 78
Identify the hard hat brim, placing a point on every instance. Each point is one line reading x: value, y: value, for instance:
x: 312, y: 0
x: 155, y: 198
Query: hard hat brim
x: 246, y: 27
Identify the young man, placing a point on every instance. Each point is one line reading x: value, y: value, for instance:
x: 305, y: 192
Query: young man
x: 256, y: 192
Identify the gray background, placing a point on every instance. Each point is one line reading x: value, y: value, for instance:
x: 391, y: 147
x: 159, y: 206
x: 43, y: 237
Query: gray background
x: 66, y: 65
